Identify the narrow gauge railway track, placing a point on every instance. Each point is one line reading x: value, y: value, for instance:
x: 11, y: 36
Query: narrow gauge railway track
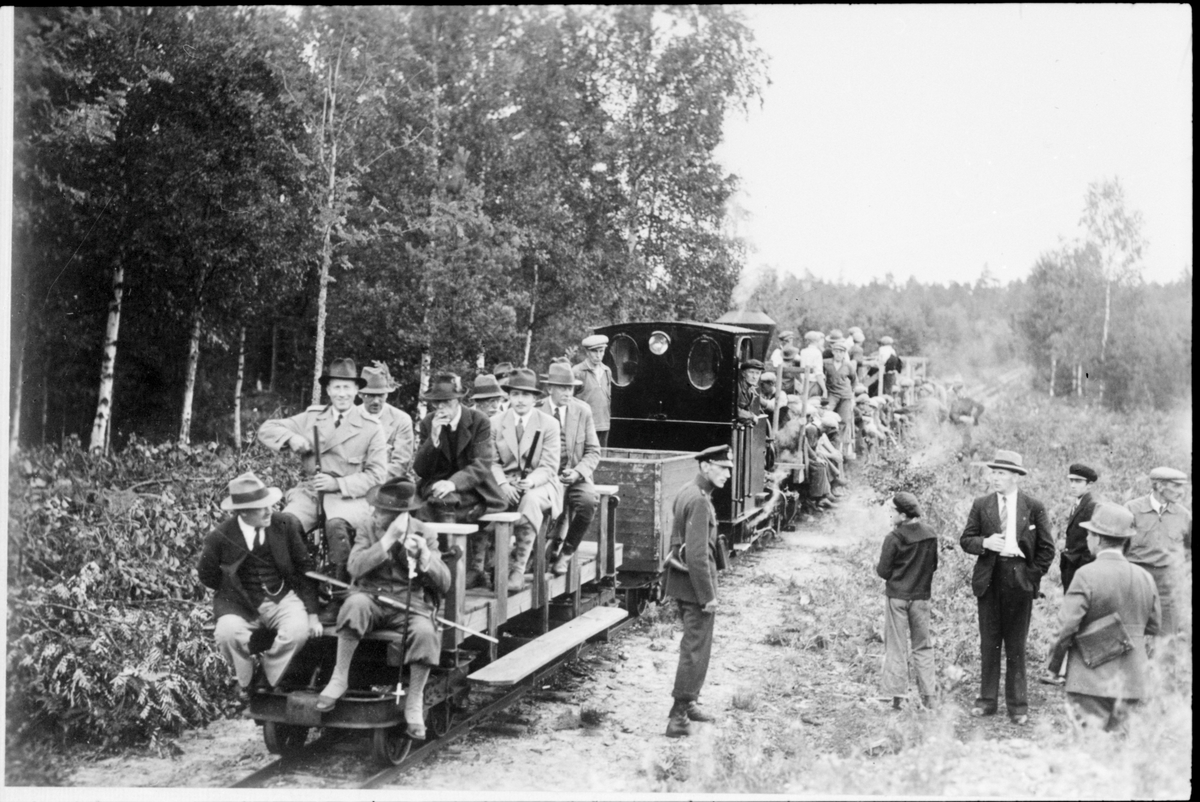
x: 287, y: 767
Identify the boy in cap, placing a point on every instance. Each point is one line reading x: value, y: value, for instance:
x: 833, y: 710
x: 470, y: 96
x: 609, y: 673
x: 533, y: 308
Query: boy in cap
x: 395, y: 555
x: 1164, y: 540
x: 352, y: 460
x: 596, y: 390
x: 786, y: 339
x: 1101, y: 690
x: 397, y: 424
x: 690, y: 577
x: 1075, y: 553
x: 908, y: 560
x: 264, y: 604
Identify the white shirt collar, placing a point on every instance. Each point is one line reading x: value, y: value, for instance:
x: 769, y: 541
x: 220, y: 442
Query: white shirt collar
x: 523, y: 420
x: 248, y: 532
x: 1116, y: 551
x: 1157, y: 505
x: 457, y: 417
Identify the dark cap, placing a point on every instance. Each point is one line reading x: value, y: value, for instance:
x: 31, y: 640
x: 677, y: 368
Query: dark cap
x: 751, y: 363
x: 1083, y: 472
x: 907, y: 503
x: 717, y: 455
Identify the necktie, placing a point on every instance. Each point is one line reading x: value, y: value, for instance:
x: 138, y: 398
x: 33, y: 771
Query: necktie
x: 1004, y: 516
x: 562, y: 439
x: 338, y: 422
x: 520, y: 431
x: 259, y: 537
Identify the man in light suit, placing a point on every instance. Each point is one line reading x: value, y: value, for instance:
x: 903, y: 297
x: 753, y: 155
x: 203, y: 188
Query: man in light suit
x: 1010, y: 532
x: 397, y: 424
x: 352, y: 460
x: 1102, y: 695
x: 579, y: 458
x: 528, y: 449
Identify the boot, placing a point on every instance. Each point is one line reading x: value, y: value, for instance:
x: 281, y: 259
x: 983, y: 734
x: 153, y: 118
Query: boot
x: 563, y: 563
x: 414, y: 701
x: 516, y: 582
x: 677, y: 720
x: 697, y: 713
x: 346, y: 646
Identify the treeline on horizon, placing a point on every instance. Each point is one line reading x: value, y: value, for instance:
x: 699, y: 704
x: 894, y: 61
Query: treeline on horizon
x: 210, y: 200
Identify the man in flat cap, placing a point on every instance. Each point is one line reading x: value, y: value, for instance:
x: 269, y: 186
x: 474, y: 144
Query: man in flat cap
x: 690, y: 577
x: 596, y: 390
x: 1103, y: 683
x: 397, y: 424
x: 1075, y: 553
x: 352, y: 460
x: 786, y: 340
x: 839, y: 388
x: 1163, y: 542
x: 749, y: 406
x: 1010, y: 532
x: 265, y: 606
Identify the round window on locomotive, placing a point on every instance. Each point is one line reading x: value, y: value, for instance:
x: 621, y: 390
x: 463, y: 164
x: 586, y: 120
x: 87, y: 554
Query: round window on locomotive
x: 624, y: 353
x: 703, y: 362
x: 659, y: 343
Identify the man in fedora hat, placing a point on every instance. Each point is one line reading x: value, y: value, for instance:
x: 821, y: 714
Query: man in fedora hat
x: 580, y: 455
x: 528, y: 453
x: 1010, y: 532
x: 486, y: 394
x: 396, y: 555
x: 690, y: 577
x: 596, y: 390
x: 256, y: 563
x: 1101, y: 691
x: 397, y: 424
x: 454, y: 458
x: 352, y: 459
x: 1163, y: 543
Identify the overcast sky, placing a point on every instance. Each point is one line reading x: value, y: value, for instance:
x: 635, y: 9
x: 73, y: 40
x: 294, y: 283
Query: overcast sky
x: 929, y: 140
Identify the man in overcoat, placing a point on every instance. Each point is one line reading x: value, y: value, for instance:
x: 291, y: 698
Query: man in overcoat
x: 397, y: 424
x: 579, y: 457
x: 453, y: 464
x: 352, y: 459
x: 395, y: 555
x: 1102, y: 694
x: 1010, y: 532
x: 690, y: 577
x: 596, y: 390
x: 528, y: 452
x: 256, y: 562
x: 1163, y: 543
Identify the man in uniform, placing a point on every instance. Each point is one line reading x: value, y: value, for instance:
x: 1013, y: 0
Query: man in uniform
x: 528, y: 447
x: 1101, y: 693
x: 749, y: 405
x: 1010, y: 532
x: 486, y: 395
x: 1075, y: 553
x: 256, y: 563
x: 1164, y: 540
x: 397, y: 424
x: 352, y: 460
x: 580, y: 454
x: 453, y: 463
x: 690, y: 577
x: 395, y: 555
x: 596, y: 391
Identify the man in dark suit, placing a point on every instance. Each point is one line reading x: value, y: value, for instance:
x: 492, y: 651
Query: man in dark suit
x: 1010, y: 532
x: 1102, y: 693
x: 256, y: 561
x: 1075, y: 553
x: 690, y: 577
x: 580, y: 454
x: 454, y: 460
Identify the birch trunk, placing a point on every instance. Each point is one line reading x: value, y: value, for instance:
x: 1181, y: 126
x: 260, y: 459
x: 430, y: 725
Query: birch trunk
x: 237, y: 389
x: 274, y: 356
x: 426, y: 366
x: 108, y: 363
x: 189, y: 382
x: 329, y: 128
x: 1053, y: 373
x: 532, y: 311
x: 1104, y: 339
x: 14, y: 442
x: 45, y: 409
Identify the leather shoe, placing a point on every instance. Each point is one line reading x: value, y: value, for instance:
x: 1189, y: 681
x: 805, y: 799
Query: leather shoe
x: 677, y: 726
x: 325, y: 703
x: 1050, y: 678
x: 562, y: 564
x: 1020, y: 721
x: 697, y: 713
x: 415, y: 732
x: 979, y: 712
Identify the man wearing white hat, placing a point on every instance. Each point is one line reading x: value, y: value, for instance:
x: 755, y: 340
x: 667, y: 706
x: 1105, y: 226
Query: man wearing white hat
x: 1107, y: 613
x: 596, y: 391
x: 1010, y: 532
x: 1164, y: 540
x: 397, y: 424
x: 256, y: 562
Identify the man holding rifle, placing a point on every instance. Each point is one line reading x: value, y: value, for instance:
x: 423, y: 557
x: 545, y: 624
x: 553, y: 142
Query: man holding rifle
x: 393, y: 554
x: 344, y: 453
x: 528, y: 451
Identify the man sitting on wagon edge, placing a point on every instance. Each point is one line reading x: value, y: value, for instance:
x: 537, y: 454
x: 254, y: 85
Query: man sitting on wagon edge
x: 384, y: 552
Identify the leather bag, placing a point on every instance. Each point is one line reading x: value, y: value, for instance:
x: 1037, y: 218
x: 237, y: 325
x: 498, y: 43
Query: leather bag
x: 1105, y: 640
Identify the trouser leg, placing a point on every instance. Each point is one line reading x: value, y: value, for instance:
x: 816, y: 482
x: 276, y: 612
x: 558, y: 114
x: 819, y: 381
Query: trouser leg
x: 989, y: 646
x: 895, y: 648
x: 1066, y: 567
x: 694, y: 651
x: 922, y: 647
x: 523, y: 539
x: 232, y: 636
x: 1089, y: 712
x: 581, y: 502
x: 603, y: 438
x: 414, y: 701
x: 290, y: 620
x: 1016, y: 610
x: 1164, y: 579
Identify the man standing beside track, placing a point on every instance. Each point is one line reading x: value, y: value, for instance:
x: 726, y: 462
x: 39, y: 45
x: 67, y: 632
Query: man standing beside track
x: 597, y: 380
x: 1163, y: 543
x: 690, y: 577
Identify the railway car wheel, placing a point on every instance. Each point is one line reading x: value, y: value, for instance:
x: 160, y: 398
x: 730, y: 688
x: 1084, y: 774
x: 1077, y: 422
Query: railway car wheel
x: 636, y: 600
x: 390, y: 745
x: 440, y: 719
x: 285, y: 740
